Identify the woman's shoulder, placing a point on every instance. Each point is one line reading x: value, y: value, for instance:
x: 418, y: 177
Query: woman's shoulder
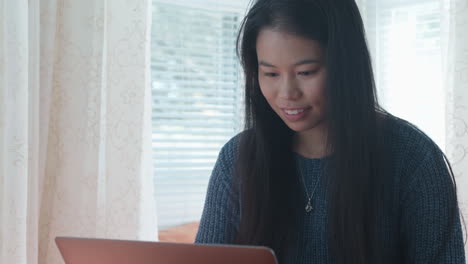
x: 409, y: 144
x: 230, y: 149
x: 404, y: 133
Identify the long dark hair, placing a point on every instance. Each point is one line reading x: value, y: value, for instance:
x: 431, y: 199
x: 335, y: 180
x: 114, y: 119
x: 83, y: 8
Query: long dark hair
x: 266, y: 170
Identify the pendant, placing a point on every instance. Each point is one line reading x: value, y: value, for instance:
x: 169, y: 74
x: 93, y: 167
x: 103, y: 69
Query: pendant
x: 308, y: 207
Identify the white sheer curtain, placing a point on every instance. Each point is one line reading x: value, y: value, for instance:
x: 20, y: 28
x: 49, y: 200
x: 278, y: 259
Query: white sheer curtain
x: 75, y: 125
x: 455, y: 53
x: 430, y: 88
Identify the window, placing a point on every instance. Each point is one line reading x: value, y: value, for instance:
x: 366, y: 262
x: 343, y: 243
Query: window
x: 197, y: 100
x: 405, y: 41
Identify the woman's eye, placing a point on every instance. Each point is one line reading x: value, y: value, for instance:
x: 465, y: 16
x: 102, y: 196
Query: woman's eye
x: 270, y: 74
x: 306, y: 73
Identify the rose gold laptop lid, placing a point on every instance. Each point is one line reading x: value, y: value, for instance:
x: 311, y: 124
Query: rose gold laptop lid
x: 103, y: 251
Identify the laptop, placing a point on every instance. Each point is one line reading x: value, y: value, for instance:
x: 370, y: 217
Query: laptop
x: 103, y: 251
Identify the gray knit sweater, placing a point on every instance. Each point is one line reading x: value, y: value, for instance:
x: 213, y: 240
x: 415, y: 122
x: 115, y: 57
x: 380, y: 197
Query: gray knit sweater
x: 423, y: 203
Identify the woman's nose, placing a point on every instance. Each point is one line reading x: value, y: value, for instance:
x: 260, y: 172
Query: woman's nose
x: 290, y: 90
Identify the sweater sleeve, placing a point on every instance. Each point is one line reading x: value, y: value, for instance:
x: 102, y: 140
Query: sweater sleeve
x: 427, y: 203
x: 217, y: 223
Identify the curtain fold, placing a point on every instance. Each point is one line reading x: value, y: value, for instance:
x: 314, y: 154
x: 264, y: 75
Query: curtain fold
x: 75, y: 125
x: 455, y: 54
x: 19, y: 74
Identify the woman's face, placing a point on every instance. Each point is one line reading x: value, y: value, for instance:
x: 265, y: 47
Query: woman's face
x: 292, y: 74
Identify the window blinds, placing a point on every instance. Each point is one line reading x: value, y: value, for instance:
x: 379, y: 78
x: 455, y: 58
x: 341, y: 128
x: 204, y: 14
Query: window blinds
x: 197, y: 100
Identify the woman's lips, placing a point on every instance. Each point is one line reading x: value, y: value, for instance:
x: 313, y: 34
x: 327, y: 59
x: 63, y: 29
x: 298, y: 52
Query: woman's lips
x: 295, y: 114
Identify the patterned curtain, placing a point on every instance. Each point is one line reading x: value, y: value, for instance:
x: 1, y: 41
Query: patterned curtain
x: 75, y: 125
x: 455, y: 53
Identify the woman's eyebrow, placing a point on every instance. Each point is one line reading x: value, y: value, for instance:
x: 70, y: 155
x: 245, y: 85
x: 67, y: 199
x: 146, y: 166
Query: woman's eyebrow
x: 302, y: 62
x: 266, y: 64
x: 306, y: 61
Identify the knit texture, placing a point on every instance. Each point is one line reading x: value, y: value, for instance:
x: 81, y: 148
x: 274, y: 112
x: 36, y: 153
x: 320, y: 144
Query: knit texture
x: 412, y: 235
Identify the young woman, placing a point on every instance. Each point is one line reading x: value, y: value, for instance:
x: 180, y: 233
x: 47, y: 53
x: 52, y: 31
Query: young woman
x: 322, y: 174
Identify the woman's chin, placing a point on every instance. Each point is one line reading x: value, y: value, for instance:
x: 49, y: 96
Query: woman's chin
x: 303, y: 126
x: 296, y: 127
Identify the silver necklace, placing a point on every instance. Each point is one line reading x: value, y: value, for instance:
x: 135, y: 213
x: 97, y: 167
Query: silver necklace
x: 309, y: 206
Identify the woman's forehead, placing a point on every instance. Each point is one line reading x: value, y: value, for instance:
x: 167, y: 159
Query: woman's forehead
x: 280, y: 47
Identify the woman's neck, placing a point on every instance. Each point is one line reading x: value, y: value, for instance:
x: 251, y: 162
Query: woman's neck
x: 312, y: 143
